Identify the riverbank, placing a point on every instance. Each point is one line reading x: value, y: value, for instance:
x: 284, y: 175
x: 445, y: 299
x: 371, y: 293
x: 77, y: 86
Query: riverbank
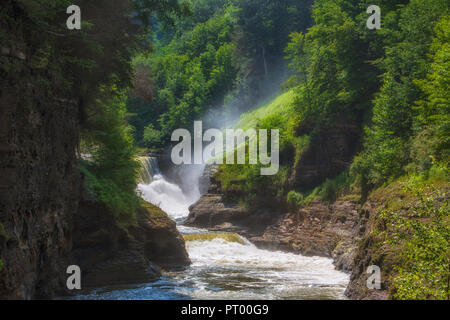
x: 225, y: 266
x: 320, y: 229
x: 355, y: 235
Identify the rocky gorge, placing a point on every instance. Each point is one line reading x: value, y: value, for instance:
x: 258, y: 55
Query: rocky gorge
x: 338, y: 230
x: 362, y: 178
x: 46, y: 222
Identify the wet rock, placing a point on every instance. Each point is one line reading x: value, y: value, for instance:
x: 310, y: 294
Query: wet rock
x: 109, y: 255
x: 163, y: 244
x: 211, y: 211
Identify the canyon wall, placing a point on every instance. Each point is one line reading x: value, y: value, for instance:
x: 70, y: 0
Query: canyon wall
x: 45, y: 223
x: 39, y: 184
x: 109, y: 255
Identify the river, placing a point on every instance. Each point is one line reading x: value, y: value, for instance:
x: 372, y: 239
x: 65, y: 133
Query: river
x: 225, y: 266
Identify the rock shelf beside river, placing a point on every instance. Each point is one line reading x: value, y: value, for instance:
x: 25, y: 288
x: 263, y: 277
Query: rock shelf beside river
x: 319, y: 229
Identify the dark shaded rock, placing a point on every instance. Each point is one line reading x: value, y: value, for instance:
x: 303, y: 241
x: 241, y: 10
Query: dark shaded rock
x: 207, y: 182
x: 127, y: 266
x: 109, y: 255
x: 39, y: 182
x: 330, y: 153
x: 211, y: 211
x: 163, y: 244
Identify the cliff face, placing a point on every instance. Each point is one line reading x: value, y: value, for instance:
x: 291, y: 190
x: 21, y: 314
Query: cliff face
x: 330, y: 153
x: 39, y: 184
x: 44, y: 229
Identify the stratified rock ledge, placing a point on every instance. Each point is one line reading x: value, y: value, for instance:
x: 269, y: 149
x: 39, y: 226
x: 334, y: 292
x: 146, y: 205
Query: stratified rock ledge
x: 109, y: 255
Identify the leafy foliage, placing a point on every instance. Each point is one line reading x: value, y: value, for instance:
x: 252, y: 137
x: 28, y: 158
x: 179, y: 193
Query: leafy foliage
x: 207, y: 63
x: 434, y: 112
x: 330, y: 65
x: 388, y: 148
x: 424, y: 239
x: 113, y: 173
x: 331, y: 189
x: 244, y: 182
x: 294, y: 200
x: 193, y: 71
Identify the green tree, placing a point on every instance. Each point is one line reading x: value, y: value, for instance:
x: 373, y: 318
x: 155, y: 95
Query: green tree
x: 387, y: 149
x: 434, y: 111
x: 113, y: 173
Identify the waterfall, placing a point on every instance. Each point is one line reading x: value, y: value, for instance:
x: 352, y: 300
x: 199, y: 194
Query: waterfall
x: 225, y: 265
x: 172, y: 198
x: 149, y: 169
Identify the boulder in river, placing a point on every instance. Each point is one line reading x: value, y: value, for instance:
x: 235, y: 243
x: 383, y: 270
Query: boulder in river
x: 109, y: 255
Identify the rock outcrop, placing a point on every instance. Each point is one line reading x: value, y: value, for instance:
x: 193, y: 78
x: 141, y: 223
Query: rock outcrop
x: 319, y: 229
x: 331, y: 152
x: 109, y: 255
x: 213, y: 212
x: 163, y: 244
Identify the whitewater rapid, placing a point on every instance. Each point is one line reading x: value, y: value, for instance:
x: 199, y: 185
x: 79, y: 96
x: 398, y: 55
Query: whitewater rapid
x: 224, y: 266
x: 224, y: 269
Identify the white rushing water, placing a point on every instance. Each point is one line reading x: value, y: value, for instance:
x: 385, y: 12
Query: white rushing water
x: 227, y: 267
x: 168, y: 196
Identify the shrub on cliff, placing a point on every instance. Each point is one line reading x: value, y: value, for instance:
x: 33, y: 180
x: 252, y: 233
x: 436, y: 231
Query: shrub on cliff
x: 422, y: 238
x: 332, y: 189
x: 113, y: 173
x: 294, y: 200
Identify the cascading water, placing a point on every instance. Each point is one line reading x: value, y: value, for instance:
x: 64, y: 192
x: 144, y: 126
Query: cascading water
x: 226, y: 266
x: 149, y: 169
x: 170, y: 197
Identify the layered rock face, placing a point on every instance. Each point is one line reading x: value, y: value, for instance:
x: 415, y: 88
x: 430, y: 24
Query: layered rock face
x: 109, y: 255
x: 39, y: 184
x: 42, y: 228
x: 320, y: 229
x: 213, y: 212
x: 330, y: 153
